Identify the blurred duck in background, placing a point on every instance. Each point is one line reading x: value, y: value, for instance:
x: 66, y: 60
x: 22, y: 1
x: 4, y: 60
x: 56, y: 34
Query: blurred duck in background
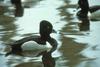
x: 85, y: 11
x: 19, y: 10
x: 94, y: 12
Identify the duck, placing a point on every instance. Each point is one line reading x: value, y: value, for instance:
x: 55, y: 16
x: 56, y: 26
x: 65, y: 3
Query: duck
x: 19, y: 10
x: 84, y: 7
x: 36, y: 42
x: 92, y: 12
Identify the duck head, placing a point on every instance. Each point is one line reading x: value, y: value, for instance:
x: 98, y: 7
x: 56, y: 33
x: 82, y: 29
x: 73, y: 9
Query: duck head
x: 45, y: 29
x: 84, y: 5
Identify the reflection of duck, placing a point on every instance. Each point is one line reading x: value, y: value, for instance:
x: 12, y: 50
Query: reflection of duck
x: 35, y: 42
x: 85, y: 10
x: 47, y: 59
x: 19, y: 9
x: 84, y: 26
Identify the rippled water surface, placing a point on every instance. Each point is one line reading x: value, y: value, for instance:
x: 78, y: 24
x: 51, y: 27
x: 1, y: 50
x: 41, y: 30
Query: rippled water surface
x: 78, y: 44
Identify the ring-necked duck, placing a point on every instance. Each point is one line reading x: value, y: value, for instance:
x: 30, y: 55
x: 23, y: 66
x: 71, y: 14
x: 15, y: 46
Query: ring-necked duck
x: 93, y: 12
x: 84, y: 5
x: 19, y: 10
x: 36, y: 42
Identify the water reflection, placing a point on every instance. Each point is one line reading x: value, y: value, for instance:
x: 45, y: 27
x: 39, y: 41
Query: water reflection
x: 19, y: 10
x: 71, y: 49
x: 2, y: 62
x: 8, y: 28
x: 47, y: 59
x: 84, y: 5
x: 84, y: 25
x: 30, y: 3
x: 1, y: 10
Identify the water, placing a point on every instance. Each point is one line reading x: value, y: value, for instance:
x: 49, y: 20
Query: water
x: 78, y: 43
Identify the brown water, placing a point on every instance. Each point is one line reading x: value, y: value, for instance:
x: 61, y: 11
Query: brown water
x: 78, y: 43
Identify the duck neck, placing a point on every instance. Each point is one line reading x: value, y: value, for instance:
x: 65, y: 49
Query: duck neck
x: 84, y: 5
x: 45, y: 37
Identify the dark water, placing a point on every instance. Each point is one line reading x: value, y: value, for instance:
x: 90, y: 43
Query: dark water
x: 78, y: 42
